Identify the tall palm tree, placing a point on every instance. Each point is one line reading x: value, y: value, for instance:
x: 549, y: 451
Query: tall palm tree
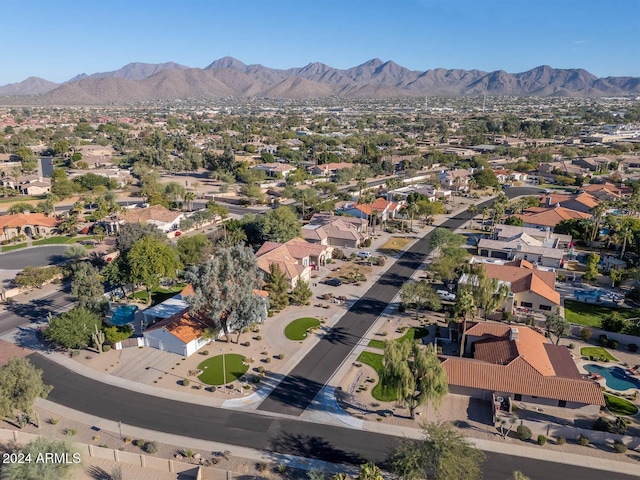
x: 598, y: 212
x: 465, y: 306
x: 472, y: 210
x: 625, y: 235
x: 485, y: 214
x: 189, y: 197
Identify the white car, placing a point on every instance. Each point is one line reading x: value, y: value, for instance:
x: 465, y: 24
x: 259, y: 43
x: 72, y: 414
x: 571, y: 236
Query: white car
x: 364, y: 254
x: 446, y: 295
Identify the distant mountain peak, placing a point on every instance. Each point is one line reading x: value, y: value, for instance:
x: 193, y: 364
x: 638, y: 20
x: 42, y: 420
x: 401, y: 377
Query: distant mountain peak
x: 226, y: 62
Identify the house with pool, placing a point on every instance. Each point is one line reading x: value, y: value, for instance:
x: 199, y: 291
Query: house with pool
x: 517, y: 367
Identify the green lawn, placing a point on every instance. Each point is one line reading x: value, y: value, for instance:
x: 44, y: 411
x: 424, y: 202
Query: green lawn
x: 597, y: 352
x: 212, y: 369
x: 620, y: 406
x: 591, y: 314
x: 374, y: 360
x: 297, y: 330
x: 412, y: 334
x: 9, y: 248
x: 159, y: 295
x: 59, y: 240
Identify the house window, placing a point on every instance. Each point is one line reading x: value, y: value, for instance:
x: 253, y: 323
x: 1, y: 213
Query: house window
x: 526, y: 304
x: 517, y: 397
x: 545, y: 307
x: 562, y: 403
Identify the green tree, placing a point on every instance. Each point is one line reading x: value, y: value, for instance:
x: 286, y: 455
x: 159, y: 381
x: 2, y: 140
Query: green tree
x: 415, y: 373
x: 558, y: 326
x: 75, y: 253
x: 20, y: 385
x: 44, y: 470
x: 87, y: 287
x: 189, y: 198
x: 277, y: 286
x: 118, y: 333
x: 465, y: 307
x: 515, y: 221
x: 488, y: 292
x: 616, y: 275
x: 443, y: 237
x: 593, y: 259
x: 279, y: 225
x: 421, y: 295
x: 301, y: 293
x: 150, y: 260
x: 370, y: 471
x: 224, y: 289
x: 73, y: 329
x: 35, y: 277
x: 443, y: 454
x: 486, y: 178
x: 192, y: 249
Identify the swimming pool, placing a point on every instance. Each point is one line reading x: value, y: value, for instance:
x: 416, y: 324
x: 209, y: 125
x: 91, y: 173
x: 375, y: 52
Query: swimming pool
x: 123, y: 314
x: 615, y: 377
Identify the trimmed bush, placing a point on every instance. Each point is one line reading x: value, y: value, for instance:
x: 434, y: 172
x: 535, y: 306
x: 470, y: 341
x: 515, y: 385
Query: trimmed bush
x: 106, y: 348
x: 561, y: 440
x: 603, y: 340
x: 270, y: 313
x: 257, y: 338
x: 150, y: 447
x: 583, y: 440
x: 260, y: 369
x: 572, y: 346
x: 619, y: 447
x: 280, y: 356
x: 585, y: 333
x: 542, y: 440
x: 614, y: 344
x: 267, y: 360
x: 185, y: 382
x: 524, y: 432
x: 204, y: 352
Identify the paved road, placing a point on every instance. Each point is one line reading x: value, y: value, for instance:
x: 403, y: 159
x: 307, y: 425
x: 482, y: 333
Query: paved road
x: 19, y: 314
x: 298, y: 389
x: 257, y: 431
x: 36, y: 256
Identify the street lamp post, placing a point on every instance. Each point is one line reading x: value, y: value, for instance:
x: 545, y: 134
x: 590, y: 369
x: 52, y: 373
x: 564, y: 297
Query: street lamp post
x: 224, y: 370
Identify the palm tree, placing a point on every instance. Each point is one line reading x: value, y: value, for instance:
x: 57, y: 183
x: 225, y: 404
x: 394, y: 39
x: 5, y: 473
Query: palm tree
x: 485, y: 214
x: 465, y: 305
x: 189, y: 197
x: 625, y: 235
x: 472, y: 210
x: 598, y: 211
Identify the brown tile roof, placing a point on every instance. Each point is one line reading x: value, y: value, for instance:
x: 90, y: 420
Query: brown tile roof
x: 525, y: 277
x: 186, y: 326
x: 21, y: 219
x: 550, y: 217
x: 288, y: 255
x: 520, y: 377
x: 154, y: 212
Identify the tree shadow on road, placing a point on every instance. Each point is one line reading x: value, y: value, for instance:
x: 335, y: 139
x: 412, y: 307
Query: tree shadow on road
x: 308, y: 446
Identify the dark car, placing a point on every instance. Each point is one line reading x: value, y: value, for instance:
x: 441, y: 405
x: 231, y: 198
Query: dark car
x: 334, y: 282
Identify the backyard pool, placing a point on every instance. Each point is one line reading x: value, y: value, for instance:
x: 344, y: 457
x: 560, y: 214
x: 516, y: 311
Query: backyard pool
x: 615, y: 377
x: 123, y: 315
x: 597, y: 295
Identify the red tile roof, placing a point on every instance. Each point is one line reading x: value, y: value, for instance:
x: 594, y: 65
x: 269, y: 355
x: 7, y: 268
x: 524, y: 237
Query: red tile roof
x: 523, y: 277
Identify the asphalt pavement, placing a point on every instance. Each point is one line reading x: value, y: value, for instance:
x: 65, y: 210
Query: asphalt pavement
x: 37, y: 256
x: 298, y: 389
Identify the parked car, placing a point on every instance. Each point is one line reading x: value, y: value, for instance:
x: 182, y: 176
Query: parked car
x: 364, y: 254
x: 446, y: 295
x: 334, y: 282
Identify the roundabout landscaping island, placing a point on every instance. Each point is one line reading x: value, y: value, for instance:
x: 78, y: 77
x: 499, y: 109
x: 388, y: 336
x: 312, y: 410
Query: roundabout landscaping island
x: 212, y: 374
x: 298, y: 329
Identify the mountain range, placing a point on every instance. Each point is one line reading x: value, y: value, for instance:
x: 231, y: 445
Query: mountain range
x: 229, y: 77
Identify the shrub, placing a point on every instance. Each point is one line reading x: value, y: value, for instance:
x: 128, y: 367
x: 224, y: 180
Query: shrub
x: 614, y: 344
x: 632, y: 347
x: 246, y: 344
x: 524, y: 432
x: 603, y: 340
x: 585, y: 333
x: 185, y: 382
x: 367, y: 242
x: 542, y: 440
x: 381, y: 261
x: 583, y: 440
x: 72, y: 432
x: 127, y: 440
x: 270, y: 313
x: 54, y: 421
x: 260, y: 369
x: 267, y: 360
x: 204, y: 352
x: 106, y: 348
x: 561, y: 440
x: 280, y: 356
x: 150, y: 447
x: 572, y: 346
x: 619, y: 447
x: 257, y: 338
x: 337, y: 254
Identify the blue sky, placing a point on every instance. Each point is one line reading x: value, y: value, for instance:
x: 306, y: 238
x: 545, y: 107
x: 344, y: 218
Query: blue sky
x: 58, y: 39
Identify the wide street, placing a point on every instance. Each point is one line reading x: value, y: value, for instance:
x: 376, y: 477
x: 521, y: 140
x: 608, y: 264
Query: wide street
x: 300, y: 387
x: 35, y: 256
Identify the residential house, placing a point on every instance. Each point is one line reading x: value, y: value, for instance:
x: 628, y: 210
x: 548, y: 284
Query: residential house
x: 523, y: 246
x: 296, y: 258
x: 606, y: 191
x: 548, y: 171
x: 29, y: 224
x: 336, y: 231
x: 181, y: 333
x: 457, y: 180
x: 512, y: 366
x: 532, y: 288
x: 546, y: 236
x: 166, y: 220
x: 432, y: 193
x: 42, y: 186
x: 384, y: 209
x: 277, y: 170
x: 542, y: 218
x: 581, y: 202
x: 329, y: 169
